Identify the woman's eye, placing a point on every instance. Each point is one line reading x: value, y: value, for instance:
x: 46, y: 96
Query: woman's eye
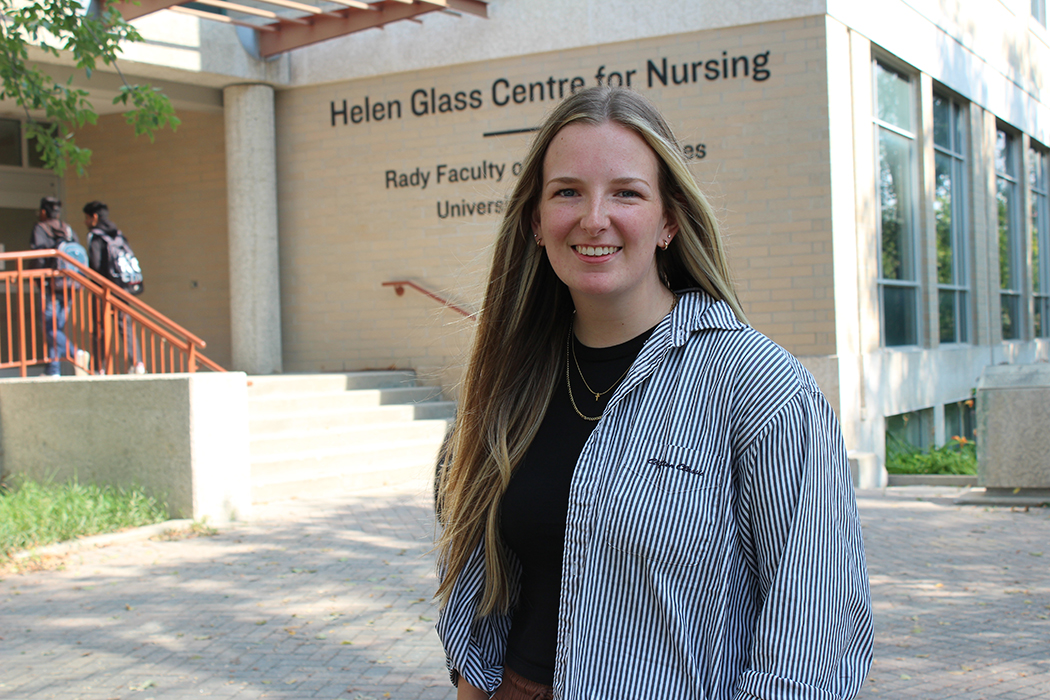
x: 565, y: 193
x: 629, y: 193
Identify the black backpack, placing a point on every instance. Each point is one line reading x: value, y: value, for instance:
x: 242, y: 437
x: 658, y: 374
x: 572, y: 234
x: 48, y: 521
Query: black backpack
x: 123, y: 267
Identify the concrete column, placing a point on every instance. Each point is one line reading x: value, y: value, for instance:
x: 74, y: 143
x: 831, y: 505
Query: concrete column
x: 251, y: 191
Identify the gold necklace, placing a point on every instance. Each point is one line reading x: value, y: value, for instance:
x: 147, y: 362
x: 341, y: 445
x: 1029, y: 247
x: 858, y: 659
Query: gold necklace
x: 597, y: 395
x: 568, y: 382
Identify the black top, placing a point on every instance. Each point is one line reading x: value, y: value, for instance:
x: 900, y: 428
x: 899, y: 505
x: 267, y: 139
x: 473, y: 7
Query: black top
x: 98, y: 247
x: 535, y: 507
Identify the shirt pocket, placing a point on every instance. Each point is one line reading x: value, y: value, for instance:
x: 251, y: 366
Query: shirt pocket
x: 663, y: 506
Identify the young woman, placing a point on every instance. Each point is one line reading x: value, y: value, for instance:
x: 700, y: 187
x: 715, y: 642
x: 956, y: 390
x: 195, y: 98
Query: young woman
x: 646, y: 497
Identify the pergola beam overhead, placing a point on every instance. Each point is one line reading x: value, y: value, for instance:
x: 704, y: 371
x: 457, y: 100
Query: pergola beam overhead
x: 291, y: 32
x: 130, y: 10
x: 342, y: 22
x: 221, y: 18
x: 470, y: 7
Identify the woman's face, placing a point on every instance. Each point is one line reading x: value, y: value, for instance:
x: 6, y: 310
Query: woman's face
x: 600, y: 215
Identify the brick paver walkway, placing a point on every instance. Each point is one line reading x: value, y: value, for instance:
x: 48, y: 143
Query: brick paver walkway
x: 311, y: 599
x: 961, y: 597
x: 331, y: 599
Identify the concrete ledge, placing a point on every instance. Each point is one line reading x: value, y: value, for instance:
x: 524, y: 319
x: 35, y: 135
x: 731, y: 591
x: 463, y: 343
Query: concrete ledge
x: 932, y: 480
x: 1005, y: 497
x: 132, y: 535
x: 1013, y: 412
x: 182, y: 438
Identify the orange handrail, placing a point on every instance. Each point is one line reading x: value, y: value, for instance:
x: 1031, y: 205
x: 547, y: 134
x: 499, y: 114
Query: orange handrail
x: 117, y: 326
x: 399, y: 289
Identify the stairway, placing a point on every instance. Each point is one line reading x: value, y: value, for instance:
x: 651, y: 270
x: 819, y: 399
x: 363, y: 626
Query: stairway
x: 314, y: 434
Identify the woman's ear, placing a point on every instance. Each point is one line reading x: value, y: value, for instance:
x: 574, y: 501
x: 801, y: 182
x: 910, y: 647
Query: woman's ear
x: 670, y: 229
x: 536, y: 233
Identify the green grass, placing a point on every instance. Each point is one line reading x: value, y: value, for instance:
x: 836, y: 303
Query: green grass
x: 34, y: 514
x: 957, y: 457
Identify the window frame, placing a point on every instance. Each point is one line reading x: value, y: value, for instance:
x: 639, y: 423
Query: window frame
x: 911, y: 258
x: 27, y: 155
x: 960, y: 287
x: 1014, y: 234
x: 1039, y: 221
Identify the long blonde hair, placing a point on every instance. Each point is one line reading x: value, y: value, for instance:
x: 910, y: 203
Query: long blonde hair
x: 515, y: 362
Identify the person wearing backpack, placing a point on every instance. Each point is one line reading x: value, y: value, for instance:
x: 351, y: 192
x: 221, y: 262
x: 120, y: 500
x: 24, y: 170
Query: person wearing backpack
x: 110, y: 255
x: 51, y: 232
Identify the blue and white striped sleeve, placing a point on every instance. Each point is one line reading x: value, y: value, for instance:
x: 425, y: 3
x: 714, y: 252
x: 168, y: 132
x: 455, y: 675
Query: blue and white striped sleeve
x: 474, y: 646
x: 801, y: 537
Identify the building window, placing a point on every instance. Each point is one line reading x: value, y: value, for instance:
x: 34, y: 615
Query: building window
x: 1039, y: 183
x: 1039, y: 11
x: 897, y: 179
x: 11, y: 142
x: 949, y: 210
x: 1010, y: 249
x: 960, y: 420
x: 17, y: 149
x: 909, y: 432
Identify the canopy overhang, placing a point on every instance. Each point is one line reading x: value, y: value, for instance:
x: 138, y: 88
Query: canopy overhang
x: 298, y: 24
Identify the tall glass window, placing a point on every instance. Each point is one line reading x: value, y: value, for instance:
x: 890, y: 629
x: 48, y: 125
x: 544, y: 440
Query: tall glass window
x: 949, y: 211
x: 897, y: 179
x: 960, y: 420
x: 1038, y: 183
x: 10, y: 142
x: 1010, y: 250
x: 1039, y: 11
x: 11, y: 151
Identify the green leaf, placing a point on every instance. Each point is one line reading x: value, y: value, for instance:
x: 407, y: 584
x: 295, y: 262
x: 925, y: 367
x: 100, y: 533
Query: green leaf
x: 59, y: 27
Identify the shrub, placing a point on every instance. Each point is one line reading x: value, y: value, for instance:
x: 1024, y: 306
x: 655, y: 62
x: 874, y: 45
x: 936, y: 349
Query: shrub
x: 959, y: 456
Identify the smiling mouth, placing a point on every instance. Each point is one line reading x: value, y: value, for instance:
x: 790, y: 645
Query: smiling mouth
x: 595, y: 251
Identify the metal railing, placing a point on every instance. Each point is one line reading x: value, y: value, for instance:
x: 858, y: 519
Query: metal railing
x: 399, y: 289
x: 106, y: 329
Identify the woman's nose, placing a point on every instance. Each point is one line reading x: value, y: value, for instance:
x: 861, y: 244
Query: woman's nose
x: 596, y: 218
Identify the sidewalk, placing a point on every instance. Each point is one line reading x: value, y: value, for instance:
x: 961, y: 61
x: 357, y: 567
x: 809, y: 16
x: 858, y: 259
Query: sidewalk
x: 331, y: 599
x: 961, y: 597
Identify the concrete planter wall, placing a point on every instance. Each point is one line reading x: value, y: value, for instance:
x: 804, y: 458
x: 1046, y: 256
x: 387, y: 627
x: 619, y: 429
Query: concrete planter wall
x: 183, y: 438
x: 1013, y: 427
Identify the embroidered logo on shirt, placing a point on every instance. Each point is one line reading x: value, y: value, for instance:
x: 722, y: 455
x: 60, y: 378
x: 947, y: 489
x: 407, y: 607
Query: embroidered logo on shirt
x: 662, y: 464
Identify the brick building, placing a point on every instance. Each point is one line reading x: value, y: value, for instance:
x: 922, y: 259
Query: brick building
x: 881, y: 171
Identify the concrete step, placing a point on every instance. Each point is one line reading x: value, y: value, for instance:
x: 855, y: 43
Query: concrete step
x: 336, y: 460
x: 271, y: 404
x: 350, y: 438
x: 320, y: 433
x: 300, y: 421
x: 347, y: 482
x: 286, y: 476
x: 329, y: 382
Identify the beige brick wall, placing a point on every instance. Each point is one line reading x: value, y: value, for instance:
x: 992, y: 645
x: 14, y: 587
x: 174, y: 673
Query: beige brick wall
x: 344, y: 231
x: 169, y: 198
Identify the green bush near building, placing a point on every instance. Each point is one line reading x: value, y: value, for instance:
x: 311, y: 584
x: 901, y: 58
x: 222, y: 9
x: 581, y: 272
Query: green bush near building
x: 34, y: 514
x: 959, y: 456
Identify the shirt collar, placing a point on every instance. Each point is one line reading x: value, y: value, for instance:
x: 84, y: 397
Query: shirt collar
x: 695, y: 311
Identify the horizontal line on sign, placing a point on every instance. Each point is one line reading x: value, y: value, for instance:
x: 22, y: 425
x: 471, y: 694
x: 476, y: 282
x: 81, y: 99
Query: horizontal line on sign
x: 510, y: 131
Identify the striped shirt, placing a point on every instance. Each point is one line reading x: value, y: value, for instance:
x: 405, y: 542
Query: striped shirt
x: 712, y: 548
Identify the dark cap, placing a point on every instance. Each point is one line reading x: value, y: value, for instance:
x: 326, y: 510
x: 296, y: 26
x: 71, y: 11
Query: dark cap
x: 52, y: 206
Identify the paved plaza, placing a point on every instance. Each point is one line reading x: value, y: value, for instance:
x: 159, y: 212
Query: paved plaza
x: 332, y: 599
